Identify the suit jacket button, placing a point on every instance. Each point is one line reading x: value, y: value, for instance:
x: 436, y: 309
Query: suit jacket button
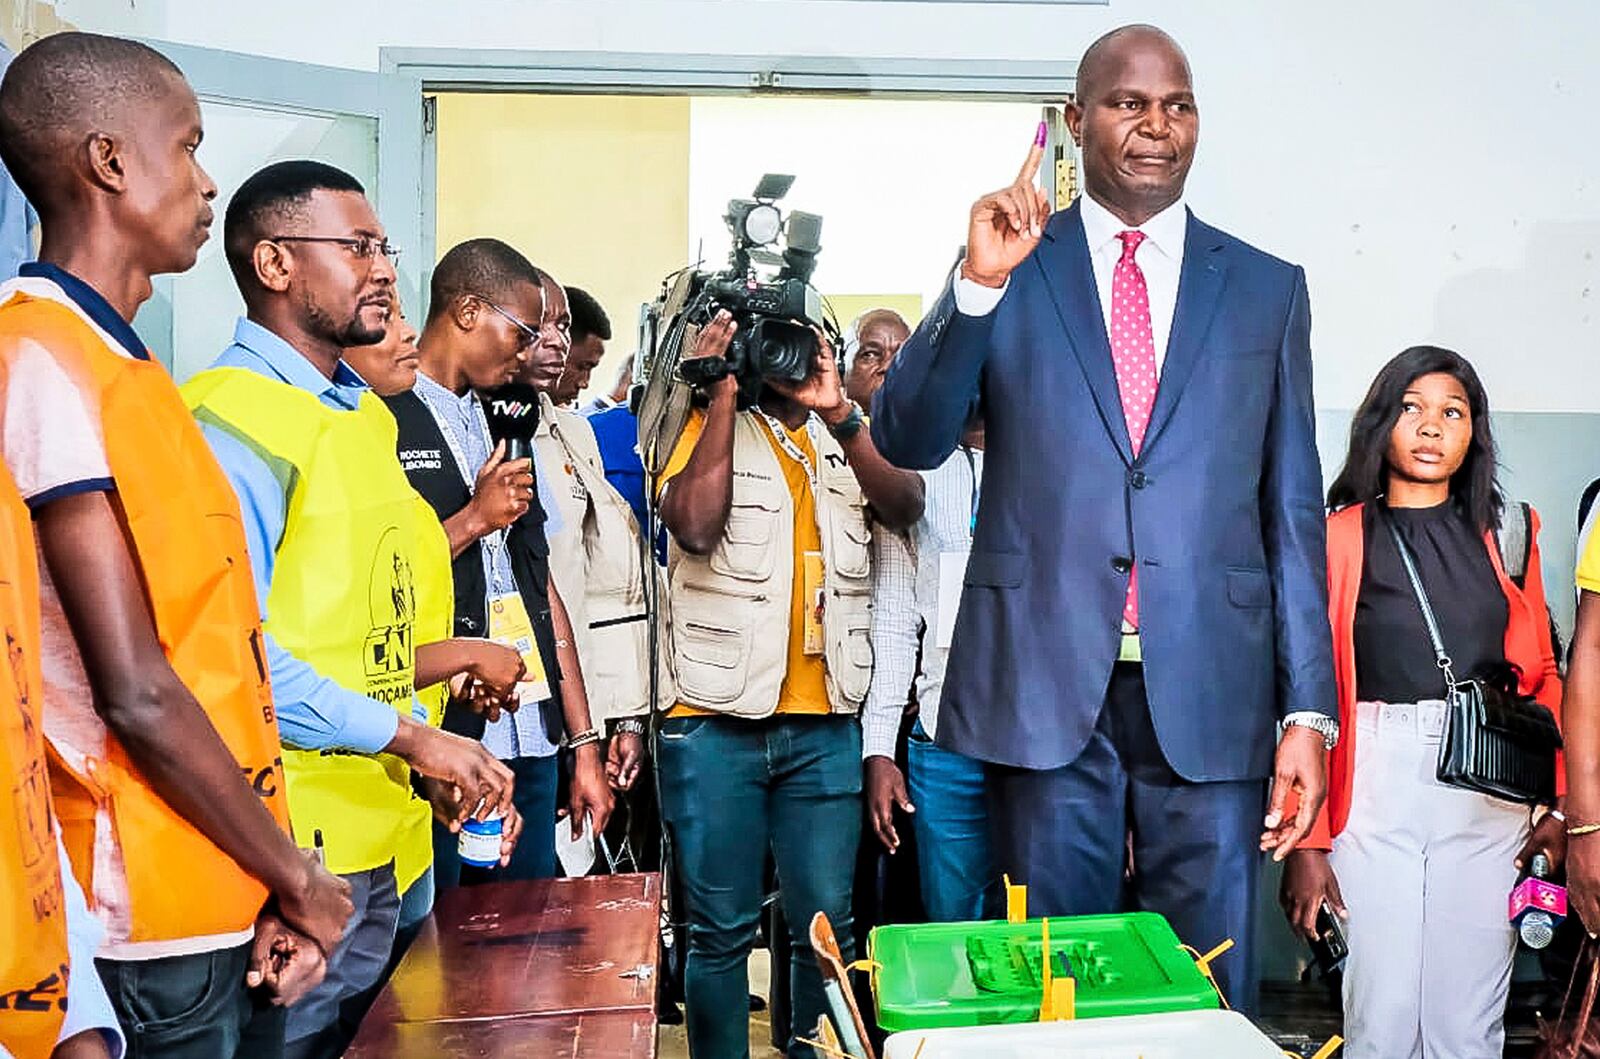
x: 1137, y: 479
x: 1121, y: 564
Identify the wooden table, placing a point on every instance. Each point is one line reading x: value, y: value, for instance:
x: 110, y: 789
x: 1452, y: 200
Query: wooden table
x: 623, y: 1034
x: 553, y: 967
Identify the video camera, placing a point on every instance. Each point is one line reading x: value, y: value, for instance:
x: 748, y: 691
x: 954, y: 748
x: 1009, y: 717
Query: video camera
x: 775, y: 318
x: 766, y: 286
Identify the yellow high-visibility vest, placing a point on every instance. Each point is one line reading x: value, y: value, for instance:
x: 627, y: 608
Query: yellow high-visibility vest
x: 344, y: 590
x: 436, y: 618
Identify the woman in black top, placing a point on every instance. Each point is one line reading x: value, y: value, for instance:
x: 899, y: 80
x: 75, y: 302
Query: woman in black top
x: 1421, y: 871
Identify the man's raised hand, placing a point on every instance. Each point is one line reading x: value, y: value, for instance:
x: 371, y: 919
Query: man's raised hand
x: 1005, y: 225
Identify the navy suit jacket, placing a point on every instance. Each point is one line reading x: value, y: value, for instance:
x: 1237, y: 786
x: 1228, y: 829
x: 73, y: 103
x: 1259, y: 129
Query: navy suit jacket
x: 1222, y: 509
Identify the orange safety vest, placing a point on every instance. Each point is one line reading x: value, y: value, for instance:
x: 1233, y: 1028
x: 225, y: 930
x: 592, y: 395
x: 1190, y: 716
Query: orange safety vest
x: 33, y: 919
x: 183, y: 522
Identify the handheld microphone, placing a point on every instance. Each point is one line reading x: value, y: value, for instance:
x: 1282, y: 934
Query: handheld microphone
x: 1538, y: 905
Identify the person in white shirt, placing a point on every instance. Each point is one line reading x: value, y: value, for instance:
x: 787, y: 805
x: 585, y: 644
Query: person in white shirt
x: 916, y: 585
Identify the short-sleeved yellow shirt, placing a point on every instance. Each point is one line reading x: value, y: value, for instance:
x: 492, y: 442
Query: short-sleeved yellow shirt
x: 805, y: 687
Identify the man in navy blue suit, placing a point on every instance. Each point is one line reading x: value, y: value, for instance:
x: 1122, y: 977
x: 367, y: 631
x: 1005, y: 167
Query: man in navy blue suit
x: 1142, y: 639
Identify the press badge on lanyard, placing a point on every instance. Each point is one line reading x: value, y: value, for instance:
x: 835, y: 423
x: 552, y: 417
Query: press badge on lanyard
x: 813, y: 573
x: 509, y: 625
x: 816, y: 598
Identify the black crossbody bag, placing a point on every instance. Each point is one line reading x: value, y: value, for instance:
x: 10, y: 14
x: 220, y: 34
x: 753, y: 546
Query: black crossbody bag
x: 1496, y: 741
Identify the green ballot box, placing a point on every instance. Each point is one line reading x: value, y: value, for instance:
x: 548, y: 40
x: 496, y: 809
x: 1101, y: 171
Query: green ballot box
x: 937, y: 975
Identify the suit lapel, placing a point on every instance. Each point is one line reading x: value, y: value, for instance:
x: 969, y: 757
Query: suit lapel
x: 1201, y: 279
x: 1063, y: 257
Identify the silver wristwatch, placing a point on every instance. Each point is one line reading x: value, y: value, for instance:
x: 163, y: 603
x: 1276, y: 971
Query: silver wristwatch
x: 1321, y: 723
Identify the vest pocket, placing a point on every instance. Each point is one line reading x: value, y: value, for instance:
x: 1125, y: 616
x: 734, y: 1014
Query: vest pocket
x: 852, y: 543
x: 854, y: 674
x: 712, y: 660
x: 746, y: 548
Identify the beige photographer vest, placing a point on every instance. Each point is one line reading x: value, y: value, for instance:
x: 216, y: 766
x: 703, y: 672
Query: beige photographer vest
x: 730, y: 610
x: 597, y: 563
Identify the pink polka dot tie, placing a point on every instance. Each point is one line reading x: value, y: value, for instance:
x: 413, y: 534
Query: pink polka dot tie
x: 1133, y: 352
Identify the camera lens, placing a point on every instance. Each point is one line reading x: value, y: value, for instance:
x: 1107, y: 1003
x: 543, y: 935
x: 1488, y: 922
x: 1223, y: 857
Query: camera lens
x: 782, y: 349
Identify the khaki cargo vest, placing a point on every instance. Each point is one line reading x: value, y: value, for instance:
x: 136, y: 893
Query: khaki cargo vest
x: 730, y: 609
x: 597, y: 562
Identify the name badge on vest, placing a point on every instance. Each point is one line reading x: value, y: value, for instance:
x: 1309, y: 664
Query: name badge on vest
x: 509, y: 624
x: 952, y: 573
x: 815, y: 601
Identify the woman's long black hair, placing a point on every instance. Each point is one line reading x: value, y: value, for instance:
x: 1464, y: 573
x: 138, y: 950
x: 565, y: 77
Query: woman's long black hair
x: 1365, y: 475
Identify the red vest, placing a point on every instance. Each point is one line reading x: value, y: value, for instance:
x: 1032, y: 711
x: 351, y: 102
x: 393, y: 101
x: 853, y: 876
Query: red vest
x: 1527, y: 647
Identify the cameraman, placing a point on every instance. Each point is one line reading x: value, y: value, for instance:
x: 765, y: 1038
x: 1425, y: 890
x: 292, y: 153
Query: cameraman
x: 769, y: 580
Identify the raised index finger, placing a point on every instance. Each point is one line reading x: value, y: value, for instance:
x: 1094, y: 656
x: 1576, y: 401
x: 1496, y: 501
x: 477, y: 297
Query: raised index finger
x: 1030, y: 166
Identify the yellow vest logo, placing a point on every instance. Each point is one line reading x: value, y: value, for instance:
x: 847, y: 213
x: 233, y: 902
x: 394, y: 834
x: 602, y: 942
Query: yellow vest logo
x: 392, y: 599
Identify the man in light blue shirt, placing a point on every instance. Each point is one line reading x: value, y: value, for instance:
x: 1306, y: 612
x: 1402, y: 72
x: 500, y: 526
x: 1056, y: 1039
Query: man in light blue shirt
x: 312, y: 264
x: 314, y: 712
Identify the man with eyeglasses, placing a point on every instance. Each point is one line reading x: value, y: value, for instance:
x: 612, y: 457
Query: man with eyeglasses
x: 590, y: 547
x: 481, y: 328
x: 329, y: 520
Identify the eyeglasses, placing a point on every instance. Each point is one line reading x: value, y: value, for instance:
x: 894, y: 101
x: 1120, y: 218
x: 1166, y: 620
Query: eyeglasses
x: 363, y: 246
x: 530, y: 335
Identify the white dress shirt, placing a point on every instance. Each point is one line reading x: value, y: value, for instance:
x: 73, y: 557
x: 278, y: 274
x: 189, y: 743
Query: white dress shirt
x: 1159, y: 257
x: 905, y: 601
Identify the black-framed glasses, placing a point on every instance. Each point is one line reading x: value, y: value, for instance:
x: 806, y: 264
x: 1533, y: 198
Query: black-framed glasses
x: 363, y: 246
x: 530, y: 335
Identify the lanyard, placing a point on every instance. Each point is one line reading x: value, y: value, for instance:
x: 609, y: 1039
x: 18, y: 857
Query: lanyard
x: 972, y: 474
x: 793, y: 451
x: 495, y: 542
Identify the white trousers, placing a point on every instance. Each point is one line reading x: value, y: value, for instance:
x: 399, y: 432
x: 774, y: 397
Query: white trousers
x: 1425, y: 871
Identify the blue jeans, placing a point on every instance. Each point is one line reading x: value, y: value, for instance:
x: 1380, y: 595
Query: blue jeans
x: 535, y: 857
x: 730, y: 789
x: 952, y: 826
x: 416, y: 903
x: 355, y: 966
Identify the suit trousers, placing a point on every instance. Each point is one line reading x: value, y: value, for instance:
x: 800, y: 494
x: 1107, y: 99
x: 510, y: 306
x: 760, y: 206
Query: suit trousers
x: 1065, y: 833
x: 1424, y: 870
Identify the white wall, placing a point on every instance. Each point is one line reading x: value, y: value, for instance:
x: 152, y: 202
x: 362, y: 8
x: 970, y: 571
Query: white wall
x: 1432, y: 163
x: 888, y: 227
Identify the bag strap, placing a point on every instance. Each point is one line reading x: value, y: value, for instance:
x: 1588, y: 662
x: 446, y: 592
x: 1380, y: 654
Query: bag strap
x: 1441, y: 657
x: 1580, y: 1031
x: 1515, y: 529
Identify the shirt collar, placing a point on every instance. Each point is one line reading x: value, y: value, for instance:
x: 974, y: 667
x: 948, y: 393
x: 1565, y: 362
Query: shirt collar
x: 93, y: 304
x: 1165, y: 231
x: 429, y: 385
x: 288, y: 364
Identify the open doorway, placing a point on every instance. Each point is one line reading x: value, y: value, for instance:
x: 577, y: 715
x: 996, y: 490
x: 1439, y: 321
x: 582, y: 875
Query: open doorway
x: 613, y: 192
